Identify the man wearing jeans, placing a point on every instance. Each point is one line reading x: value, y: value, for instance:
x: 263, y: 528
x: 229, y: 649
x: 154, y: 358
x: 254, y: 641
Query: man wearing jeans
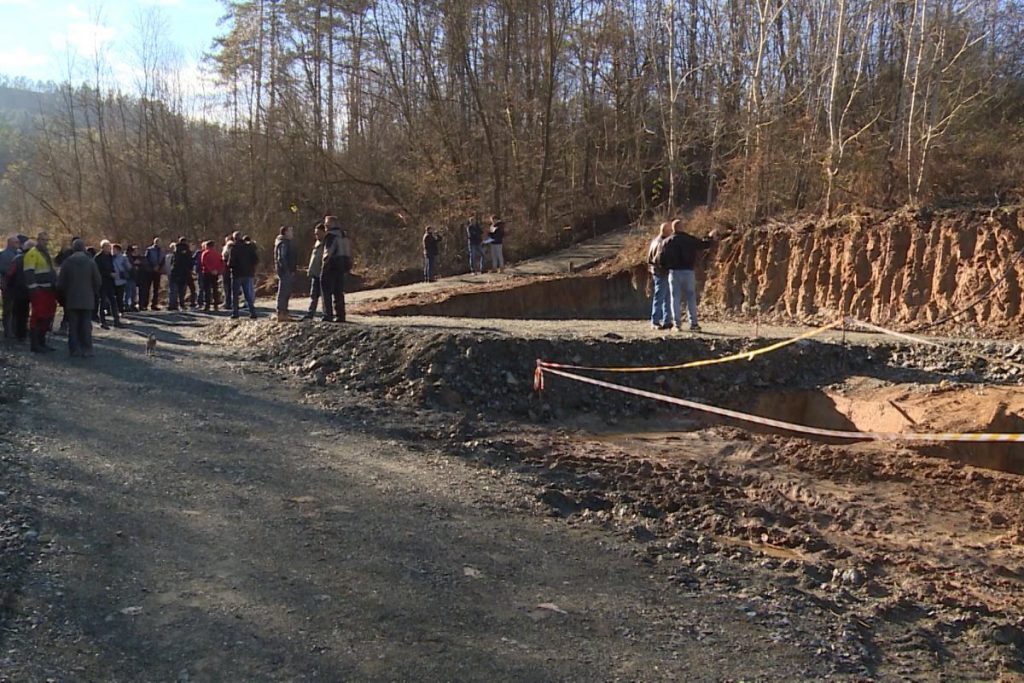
x: 242, y: 261
x: 659, y: 279
x: 316, y: 267
x: 679, y: 257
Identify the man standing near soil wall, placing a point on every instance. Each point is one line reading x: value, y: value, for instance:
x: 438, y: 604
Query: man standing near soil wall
x: 659, y: 279
x: 679, y: 257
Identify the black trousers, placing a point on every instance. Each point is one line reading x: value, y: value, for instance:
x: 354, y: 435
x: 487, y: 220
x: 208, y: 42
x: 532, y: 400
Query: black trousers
x: 332, y: 285
x: 19, y: 313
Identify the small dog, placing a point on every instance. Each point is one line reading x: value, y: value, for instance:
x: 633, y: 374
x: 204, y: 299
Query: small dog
x: 150, y: 345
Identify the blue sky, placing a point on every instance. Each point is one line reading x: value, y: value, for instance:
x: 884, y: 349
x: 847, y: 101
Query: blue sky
x: 37, y: 37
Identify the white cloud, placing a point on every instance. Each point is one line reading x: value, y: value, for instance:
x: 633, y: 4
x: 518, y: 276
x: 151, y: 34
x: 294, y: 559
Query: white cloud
x: 21, y: 57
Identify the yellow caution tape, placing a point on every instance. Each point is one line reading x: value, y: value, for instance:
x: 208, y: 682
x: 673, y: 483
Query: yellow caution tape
x: 744, y: 355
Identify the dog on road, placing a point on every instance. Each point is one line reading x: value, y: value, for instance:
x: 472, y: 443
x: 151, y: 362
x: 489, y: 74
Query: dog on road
x: 150, y: 345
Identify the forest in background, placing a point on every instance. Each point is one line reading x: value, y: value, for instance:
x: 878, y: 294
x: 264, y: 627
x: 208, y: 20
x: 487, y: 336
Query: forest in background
x: 552, y: 113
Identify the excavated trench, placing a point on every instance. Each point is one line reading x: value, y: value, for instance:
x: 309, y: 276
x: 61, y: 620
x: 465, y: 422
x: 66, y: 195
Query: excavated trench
x: 859, y: 405
x: 589, y: 297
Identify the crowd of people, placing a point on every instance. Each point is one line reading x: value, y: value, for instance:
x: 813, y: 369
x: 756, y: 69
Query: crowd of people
x: 476, y: 238
x: 103, y: 285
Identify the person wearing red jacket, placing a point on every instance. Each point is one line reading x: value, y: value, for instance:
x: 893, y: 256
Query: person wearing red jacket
x: 212, y: 267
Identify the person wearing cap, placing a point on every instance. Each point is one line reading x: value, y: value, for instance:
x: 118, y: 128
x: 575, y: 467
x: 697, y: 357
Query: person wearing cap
x: 7, y: 257
x: 40, y: 278
x: 79, y: 283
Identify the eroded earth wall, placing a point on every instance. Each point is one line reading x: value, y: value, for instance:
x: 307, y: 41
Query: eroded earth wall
x: 907, y: 268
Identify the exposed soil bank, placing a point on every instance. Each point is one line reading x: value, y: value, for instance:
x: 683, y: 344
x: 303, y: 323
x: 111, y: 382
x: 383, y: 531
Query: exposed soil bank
x: 905, y: 268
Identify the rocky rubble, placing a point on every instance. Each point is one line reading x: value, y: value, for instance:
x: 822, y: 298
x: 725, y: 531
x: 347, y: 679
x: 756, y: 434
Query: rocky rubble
x: 795, y: 525
x: 493, y: 373
x: 17, y: 535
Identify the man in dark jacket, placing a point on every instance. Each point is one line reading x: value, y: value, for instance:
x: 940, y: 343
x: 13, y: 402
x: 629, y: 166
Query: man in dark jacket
x: 181, y: 271
x: 151, y: 276
x: 431, y: 250
x: 286, y: 262
x: 475, y: 241
x: 679, y: 257
x: 337, y: 262
x: 18, y: 291
x: 107, y: 290
x: 7, y: 257
x: 79, y: 284
x: 242, y: 260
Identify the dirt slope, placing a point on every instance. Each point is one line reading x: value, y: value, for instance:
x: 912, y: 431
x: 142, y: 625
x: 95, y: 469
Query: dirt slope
x: 905, y: 268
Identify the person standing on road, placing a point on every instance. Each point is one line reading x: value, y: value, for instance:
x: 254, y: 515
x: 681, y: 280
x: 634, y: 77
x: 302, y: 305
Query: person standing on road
x: 337, y: 262
x: 316, y: 268
x: 79, y: 284
x: 7, y: 257
x: 229, y: 287
x: 286, y: 262
x: 212, y: 266
x: 40, y: 278
x: 475, y: 240
x: 431, y: 250
x: 679, y: 257
x: 180, y: 272
x: 108, y: 289
x: 659, y: 278
x: 18, y: 288
x: 155, y: 260
x: 496, y: 238
x: 122, y: 271
x: 242, y: 261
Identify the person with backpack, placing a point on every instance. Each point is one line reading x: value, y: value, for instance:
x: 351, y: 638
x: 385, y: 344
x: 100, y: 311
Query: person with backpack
x: 337, y: 261
x: 475, y: 240
x: 431, y: 251
x: 286, y: 262
x: 679, y: 258
x: 659, y: 279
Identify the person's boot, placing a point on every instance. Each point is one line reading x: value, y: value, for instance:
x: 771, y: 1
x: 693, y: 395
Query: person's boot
x: 33, y: 341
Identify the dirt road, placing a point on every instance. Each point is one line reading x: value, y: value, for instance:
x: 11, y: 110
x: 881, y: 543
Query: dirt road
x: 198, y: 521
